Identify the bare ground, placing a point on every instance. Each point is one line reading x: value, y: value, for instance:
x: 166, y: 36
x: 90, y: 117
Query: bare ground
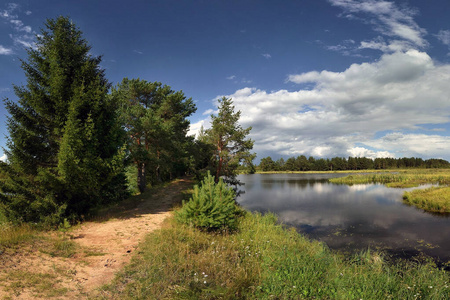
x: 102, y: 248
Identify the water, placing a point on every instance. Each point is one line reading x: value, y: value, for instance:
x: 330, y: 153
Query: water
x: 348, y: 218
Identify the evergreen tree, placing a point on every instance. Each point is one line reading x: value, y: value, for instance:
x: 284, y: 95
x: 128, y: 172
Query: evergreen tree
x: 229, y: 141
x: 64, y: 146
x: 211, y: 207
x: 155, y: 121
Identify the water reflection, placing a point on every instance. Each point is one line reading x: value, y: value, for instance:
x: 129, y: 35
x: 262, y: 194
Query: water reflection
x: 348, y: 217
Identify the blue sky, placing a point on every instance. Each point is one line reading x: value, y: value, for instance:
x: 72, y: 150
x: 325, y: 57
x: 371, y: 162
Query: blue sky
x: 314, y: 77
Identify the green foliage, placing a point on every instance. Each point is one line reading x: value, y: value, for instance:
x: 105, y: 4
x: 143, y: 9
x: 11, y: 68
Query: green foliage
x: 155, y: 120
x: 65, y: 143
x: 212, y: 206
x: 132, y: 184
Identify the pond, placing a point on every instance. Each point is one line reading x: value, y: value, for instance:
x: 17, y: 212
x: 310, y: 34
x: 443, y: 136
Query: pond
x: 348, y: 218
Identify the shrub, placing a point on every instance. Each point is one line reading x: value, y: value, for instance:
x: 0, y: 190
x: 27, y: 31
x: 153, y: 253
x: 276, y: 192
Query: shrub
x: 211, y: 207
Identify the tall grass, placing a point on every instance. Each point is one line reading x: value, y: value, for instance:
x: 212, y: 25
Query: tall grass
x: 434, y: 199
x: 11, y: 235
x: 401, y: 178
x: 263, y: 260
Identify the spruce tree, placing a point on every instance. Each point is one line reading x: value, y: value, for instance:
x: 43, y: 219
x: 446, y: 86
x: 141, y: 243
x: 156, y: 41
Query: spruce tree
x: 64, y: 147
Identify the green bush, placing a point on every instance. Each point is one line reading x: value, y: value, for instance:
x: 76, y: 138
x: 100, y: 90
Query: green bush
x: 211, y: 207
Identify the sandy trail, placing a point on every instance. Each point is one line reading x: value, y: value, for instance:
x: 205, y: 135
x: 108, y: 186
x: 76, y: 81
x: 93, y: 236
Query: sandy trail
x: 108, y: 244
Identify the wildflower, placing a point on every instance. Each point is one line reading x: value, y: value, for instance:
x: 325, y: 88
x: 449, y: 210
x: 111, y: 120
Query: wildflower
x: 204, y: 282
x: 430, y: 287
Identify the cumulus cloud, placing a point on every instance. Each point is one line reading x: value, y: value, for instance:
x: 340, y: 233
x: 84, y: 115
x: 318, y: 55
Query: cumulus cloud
x: 3, y: 157
x: 387, y: 19
x: 344, y: 111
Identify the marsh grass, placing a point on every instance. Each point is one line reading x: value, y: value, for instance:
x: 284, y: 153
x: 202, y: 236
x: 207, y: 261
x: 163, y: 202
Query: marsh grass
x: 399, y: 178
x: 434, y: 199
x: 263, y: 260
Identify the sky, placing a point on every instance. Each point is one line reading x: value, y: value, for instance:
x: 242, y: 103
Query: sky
x: 320, y: 78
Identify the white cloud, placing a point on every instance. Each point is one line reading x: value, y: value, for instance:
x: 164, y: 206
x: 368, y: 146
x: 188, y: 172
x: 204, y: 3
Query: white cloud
x: 266, y: 55
x: 444, y: 37
x: 409, y: 145
x: 389, y: 20
x: 3, y: 157
x: 5, y: 51
x: 23, y: 36
x: 363, y: 152
x: 194, y: 128
x: 138, y: 52
x: 342, y: 112
x: 231, y: 77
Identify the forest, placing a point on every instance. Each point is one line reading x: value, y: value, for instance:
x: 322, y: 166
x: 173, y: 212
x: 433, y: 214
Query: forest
x: 301, y: 163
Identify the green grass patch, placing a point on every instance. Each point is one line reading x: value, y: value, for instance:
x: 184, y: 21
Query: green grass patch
x: 12, y: 235
x: 434, y: 199
x: 263, y: 260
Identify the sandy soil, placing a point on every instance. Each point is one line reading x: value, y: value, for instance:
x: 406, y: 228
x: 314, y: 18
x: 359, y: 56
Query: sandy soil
x: 105, y: 246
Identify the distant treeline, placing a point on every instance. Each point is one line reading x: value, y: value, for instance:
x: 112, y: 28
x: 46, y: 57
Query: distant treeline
x: 301, y: 163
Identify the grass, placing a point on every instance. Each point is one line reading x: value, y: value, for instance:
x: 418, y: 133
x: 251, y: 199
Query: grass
x: 263, y: 260
x: 41, y: 285
x: 435, y: 199
x: 11, y: 235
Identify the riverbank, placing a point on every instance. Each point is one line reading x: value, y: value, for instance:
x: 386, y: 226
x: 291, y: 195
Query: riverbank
x: 264, y: 260
x: 436, y: 199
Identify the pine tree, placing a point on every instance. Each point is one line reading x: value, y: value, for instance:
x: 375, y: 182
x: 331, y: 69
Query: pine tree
x: 155, y: 120
x: 230, y: 141
x: 64, y: 147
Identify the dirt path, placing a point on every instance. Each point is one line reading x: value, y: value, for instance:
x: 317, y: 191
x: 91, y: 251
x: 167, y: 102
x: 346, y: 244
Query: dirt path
x: 103, y: 247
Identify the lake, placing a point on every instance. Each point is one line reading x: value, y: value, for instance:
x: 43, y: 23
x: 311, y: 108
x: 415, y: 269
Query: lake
x: 348, y: 218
